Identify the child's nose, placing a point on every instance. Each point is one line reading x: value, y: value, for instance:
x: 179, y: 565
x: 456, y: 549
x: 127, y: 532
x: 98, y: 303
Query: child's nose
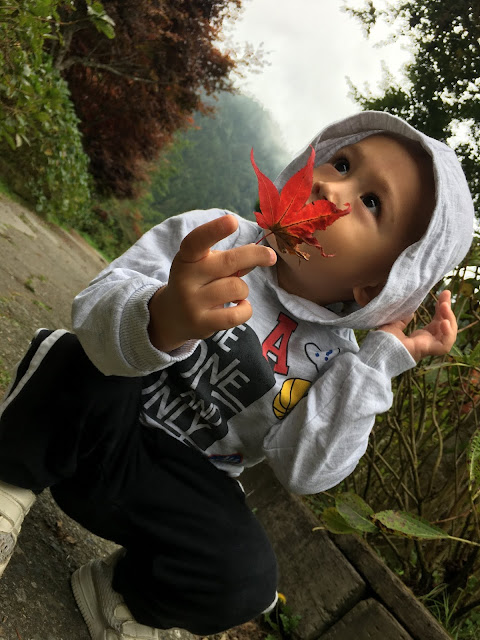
x: 326, y: 191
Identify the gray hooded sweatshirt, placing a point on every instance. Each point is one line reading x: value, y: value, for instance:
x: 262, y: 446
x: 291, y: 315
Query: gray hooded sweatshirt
x: 291, y: 385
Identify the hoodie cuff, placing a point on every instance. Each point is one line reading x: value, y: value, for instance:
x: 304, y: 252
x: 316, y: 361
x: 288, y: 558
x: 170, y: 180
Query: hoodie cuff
x: 135, y: 343
x: 386, y: 354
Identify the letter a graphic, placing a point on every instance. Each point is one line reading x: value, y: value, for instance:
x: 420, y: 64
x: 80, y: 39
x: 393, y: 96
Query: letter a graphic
x: 275, y: 345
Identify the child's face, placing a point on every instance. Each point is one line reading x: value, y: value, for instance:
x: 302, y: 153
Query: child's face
x: 391, y: 195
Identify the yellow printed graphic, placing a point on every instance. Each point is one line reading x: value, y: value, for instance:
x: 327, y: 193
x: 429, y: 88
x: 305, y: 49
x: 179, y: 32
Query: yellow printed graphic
x: 290, y: 394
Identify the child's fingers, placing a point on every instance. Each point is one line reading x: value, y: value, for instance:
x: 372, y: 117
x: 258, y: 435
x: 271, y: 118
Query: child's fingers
x: 445, y: 296
x: 229, y: 317
x: 444, y: 310
x: 444, y: 303
x: 241, y: 260
x: 197, y: 244
x: 222, y: 291
x: 449, y: 331
x: 444, y: 324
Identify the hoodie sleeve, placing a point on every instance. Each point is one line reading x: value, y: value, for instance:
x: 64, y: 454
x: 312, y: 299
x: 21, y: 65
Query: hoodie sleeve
x: 111, y: 316
x: 321, y: 441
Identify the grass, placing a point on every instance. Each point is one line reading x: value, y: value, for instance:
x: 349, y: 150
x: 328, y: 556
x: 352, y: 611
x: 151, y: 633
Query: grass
x: 444, y: 606
x: 5, y: 378
x: 42, y: 305
x: 28, y: 284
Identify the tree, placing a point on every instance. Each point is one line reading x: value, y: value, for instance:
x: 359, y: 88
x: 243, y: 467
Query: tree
x: 131, y: 92
x: 441, y: 89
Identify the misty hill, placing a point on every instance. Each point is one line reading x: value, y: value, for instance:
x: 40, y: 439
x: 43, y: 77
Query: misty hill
x: 209, y: 165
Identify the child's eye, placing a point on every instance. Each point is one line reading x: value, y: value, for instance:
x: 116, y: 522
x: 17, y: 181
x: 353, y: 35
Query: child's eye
x: 341, y: 165
x: 372, y: 202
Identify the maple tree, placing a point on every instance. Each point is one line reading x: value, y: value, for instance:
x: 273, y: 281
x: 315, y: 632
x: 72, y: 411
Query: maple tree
x: 288, y: 216
x: 133, y: 91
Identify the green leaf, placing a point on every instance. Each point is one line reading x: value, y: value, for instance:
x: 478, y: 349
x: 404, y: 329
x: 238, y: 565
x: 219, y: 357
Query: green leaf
x: 456, y: 352
x: 10, y: 140
x: 42, y: 8
x: 104, y: 27
x: 404, y: 523
x: 474, y: 355
x: 334, y: 522
x: 102, y: 21
x: 355, y: 511
x: 96, y: 7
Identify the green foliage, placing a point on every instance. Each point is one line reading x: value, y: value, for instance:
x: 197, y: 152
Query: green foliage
x: 46, y: 43
x: 168, y: 168
x: 115, y: 226
x: 406, y: 524
x: 40, y: 144
x: 100, y: 19
x: 351, y: 514
x: 209, y: 166
x: 446, y: 607
x: 335, y: 522
x: 355, y: 511
x: 438, y: 93
x: 282, y: 621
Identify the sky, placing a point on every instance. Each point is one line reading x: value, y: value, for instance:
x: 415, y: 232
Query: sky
x: 311, y: 46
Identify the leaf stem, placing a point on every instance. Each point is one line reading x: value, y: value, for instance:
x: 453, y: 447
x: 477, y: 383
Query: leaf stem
x: 476, y: 544
x: 263, y: 237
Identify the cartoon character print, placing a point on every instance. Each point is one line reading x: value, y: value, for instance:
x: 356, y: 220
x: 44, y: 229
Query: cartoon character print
x: 294, y: 389
x: 319, y: 357
x: 290, y: 394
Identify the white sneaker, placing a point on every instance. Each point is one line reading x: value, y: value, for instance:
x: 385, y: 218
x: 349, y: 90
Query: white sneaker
x: 15, y: 503
x: 103, y: 609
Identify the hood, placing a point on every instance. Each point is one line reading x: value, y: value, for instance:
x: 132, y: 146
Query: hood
x: 442, y: 247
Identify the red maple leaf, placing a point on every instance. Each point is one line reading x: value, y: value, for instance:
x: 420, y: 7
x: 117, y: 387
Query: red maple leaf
x: 287, y: 215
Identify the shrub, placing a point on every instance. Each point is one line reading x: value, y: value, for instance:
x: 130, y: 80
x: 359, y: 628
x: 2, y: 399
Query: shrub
x: 40, y: 144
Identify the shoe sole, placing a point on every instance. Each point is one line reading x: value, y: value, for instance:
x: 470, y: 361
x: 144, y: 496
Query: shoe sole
x: 86, y: 598
x: 15, y: 504
x: 7, y: 548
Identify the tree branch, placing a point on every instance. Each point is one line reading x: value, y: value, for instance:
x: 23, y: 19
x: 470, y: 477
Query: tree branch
x: 106, y: 67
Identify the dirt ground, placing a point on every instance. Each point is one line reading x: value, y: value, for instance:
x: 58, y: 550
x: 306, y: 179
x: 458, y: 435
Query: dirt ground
x: 41, y: 269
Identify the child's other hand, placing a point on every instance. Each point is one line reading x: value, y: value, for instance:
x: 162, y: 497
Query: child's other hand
x: 436, y: 339
x: 201, y: 282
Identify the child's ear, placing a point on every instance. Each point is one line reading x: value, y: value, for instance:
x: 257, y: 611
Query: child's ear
x: 363, y: 295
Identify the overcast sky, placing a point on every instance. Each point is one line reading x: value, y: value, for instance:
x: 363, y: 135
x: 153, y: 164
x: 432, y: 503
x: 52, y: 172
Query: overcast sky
x: 312, y: 47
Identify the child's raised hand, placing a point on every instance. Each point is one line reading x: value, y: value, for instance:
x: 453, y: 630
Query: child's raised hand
x: 201, y: 282
x: 436, y: 339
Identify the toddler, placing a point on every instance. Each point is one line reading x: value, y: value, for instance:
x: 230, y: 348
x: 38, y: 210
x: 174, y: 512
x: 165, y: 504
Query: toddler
x: 198, y: 353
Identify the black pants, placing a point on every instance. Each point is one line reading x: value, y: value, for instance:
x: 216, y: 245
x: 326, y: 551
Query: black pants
x: 196, y: 557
